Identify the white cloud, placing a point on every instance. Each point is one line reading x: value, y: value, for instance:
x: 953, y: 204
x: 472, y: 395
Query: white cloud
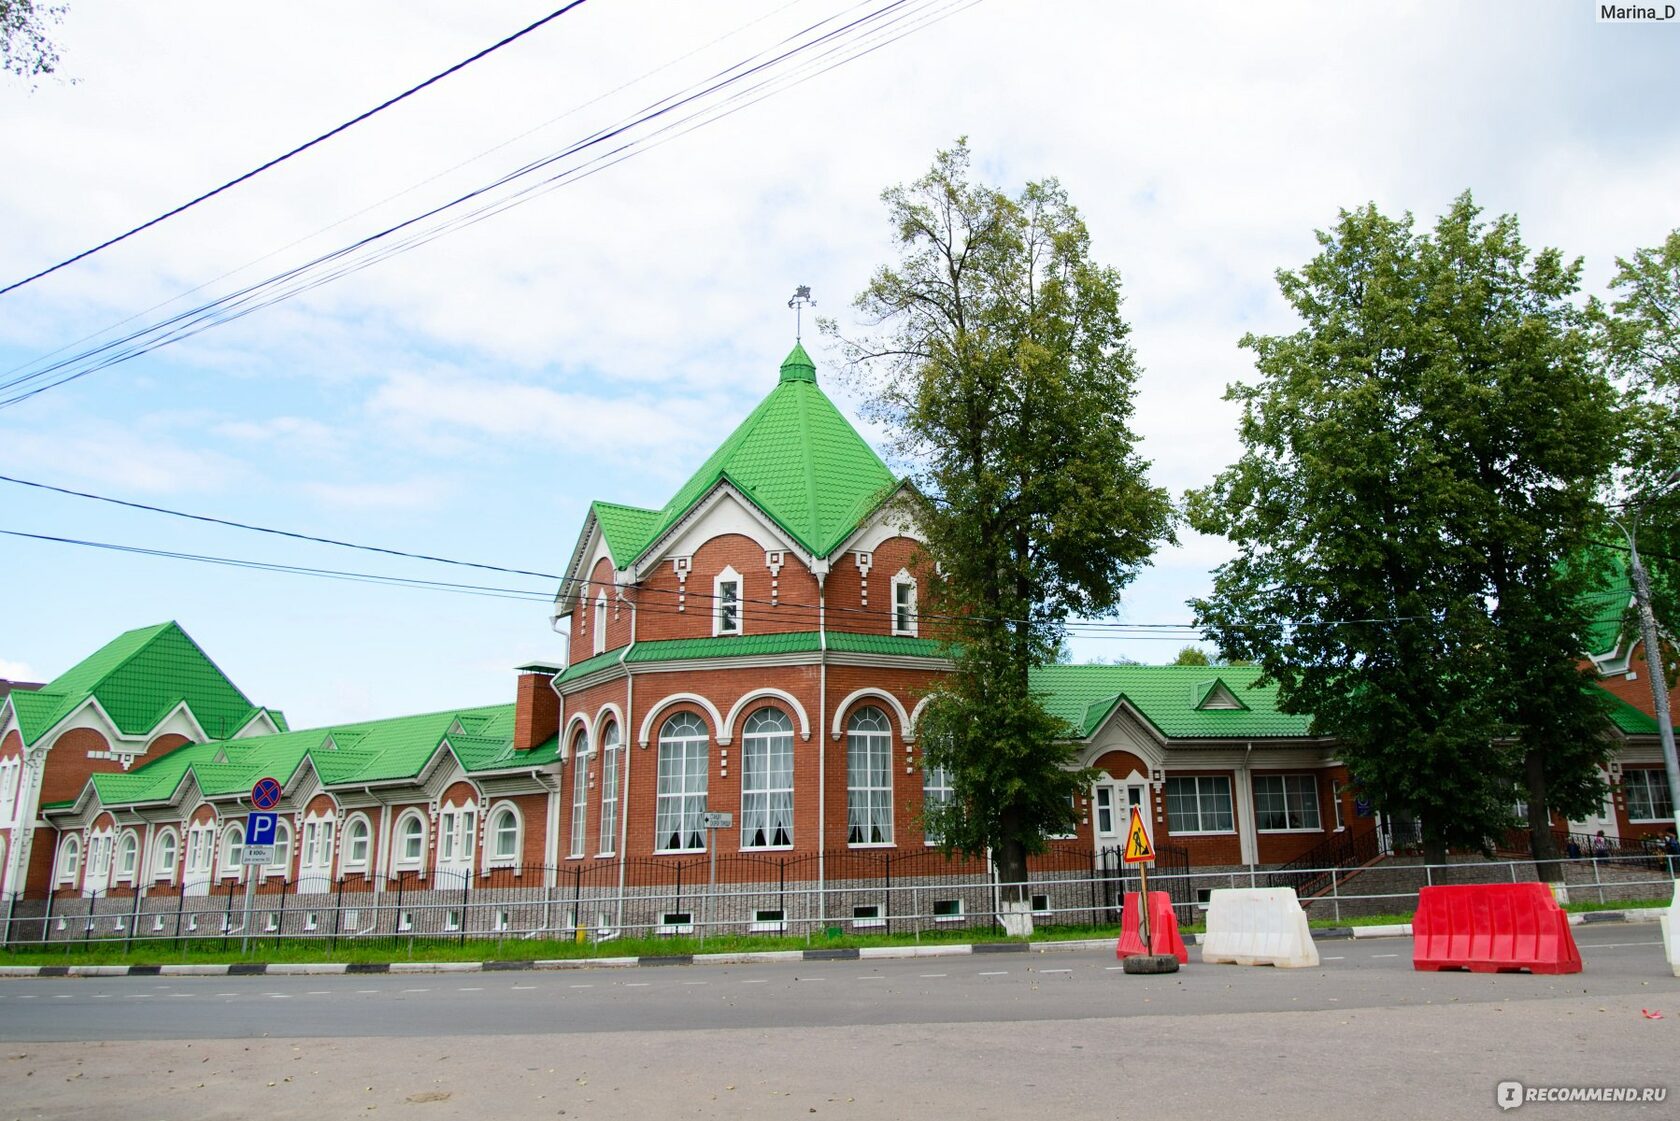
x: 16, y: 671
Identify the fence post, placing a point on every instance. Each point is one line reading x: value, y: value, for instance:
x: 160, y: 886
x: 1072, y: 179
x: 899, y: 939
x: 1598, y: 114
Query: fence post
x: 180, y: 907
x: 227, y: 915
x: 1336, y: 894
x: 1598, y: 880
x: 87, y: 927
x: 134, y: 921
x: 466, y: 886
x: 888, y: 900
x: 338, y: 913
x: 577, y: 904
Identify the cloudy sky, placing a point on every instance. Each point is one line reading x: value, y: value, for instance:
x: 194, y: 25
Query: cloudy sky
x: 469, y: 396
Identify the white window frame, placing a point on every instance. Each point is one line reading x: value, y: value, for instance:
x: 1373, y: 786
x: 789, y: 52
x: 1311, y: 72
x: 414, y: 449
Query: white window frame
x: 282, y: 864
x: 128, y: 851
x: 904, y: 616
x: 869, y: 803
x: 201, y: 850
x: 936, y: 791
x: 315, y: 853
x: 767, y: 803
x: 231, y: 851
x: 610, y: 749
x: 1654, y: 782
x: 401, y: 861
x: 1198, y: 779
x: 580, y: 797
x: 457, y: 836
x: 348, y: 860
x: 165, y: 869
x: 681, y: 780
x: 1285, y: 781
x: 600, y: 636
x: 723, y: 602
x: 494, y: 833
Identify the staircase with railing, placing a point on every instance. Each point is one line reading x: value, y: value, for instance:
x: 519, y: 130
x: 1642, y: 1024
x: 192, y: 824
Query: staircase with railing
x: 1313, y: 871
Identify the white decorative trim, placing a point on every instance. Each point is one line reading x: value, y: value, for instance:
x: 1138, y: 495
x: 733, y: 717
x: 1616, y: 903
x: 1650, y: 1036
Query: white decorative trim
x: 841, y: 709
x: 915, y: 720
x: 608, y: 711
x: 727, y: 731
x: 665, y: 703
x: 682, y: 566
x: 774, y: 559
x: 865, y: 561
x: 903, y: 579
x: 568, y: 735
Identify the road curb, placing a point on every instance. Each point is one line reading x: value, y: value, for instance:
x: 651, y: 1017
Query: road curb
x: 748, y: 957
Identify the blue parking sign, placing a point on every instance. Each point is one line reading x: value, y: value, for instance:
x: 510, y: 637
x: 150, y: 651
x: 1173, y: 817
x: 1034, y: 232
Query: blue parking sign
x: 260, y: 828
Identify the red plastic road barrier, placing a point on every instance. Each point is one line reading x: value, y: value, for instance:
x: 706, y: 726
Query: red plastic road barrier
x: 1163, y: 929
x: 1492, y: 928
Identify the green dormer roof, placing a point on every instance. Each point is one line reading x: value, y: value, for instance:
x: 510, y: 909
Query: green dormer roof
x: 138, y: 678
x: 795, y: 457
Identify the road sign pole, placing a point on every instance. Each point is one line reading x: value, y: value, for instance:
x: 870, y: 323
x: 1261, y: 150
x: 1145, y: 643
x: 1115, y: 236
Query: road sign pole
x: 1143, y: 906
x: 250, y: 896
x: 711, y: 884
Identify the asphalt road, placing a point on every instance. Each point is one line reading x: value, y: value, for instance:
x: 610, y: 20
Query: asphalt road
x: 990, y: 1035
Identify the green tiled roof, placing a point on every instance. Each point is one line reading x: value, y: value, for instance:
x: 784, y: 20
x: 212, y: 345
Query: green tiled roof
x: 590, y: 665
x: 1609, y: 605
x: 795, y: 457
x: 896, y: 645
x: 1630, y: 720
x: 138, y: 678
x: 731, y: 646
x: 382, y: 751
x: 1167, y: 697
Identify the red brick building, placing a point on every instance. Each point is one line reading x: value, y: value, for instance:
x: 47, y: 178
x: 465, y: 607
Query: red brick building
x: 753, y: 647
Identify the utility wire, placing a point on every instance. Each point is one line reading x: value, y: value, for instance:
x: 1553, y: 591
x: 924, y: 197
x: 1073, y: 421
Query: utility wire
x: 301, y: 148
x: 311, y: 274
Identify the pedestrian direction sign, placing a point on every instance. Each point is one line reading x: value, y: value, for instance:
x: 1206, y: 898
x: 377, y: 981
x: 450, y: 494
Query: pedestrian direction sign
x: 1138, y: 848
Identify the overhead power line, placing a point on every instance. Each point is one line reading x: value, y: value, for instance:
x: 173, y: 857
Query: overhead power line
x: 301, y: 148
x: 799, y: 58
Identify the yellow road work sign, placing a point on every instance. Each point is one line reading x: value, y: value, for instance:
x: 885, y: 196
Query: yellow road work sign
x: 1138, y: 848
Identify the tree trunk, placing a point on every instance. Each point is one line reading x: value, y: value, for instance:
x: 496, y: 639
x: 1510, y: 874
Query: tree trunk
x: 1434, y: 845
x: 1009, y: 860
x: 1541, y: 843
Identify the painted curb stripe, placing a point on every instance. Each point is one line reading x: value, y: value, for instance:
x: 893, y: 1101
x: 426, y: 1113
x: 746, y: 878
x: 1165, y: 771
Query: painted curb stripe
x: 666, y: 959
x: 368, y: 967
x: 247, y: 969
x: 508, y: 966
x: 830, y: 955
x: 999, y: 948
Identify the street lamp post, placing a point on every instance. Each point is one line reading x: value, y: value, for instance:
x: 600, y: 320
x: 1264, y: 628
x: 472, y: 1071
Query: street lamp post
x: 1629, y: 525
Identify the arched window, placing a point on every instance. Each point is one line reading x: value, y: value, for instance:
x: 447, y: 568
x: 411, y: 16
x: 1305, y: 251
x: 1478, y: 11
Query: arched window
x: 281, y: 865
x: 69, y: 860
x: 411, y: 840
x: 936, y: 792
x: 165, y: 853
x: 600, y: 622
x: 504, y: 835
x: 128, y: 856
x: 681, y: 785
x: 767, y: 780
x: 358, y: 843
x: 869, y: 778
x: 317, y: 847
x: 609, y: 788
x: 580, y: 792
x: 233, y: 849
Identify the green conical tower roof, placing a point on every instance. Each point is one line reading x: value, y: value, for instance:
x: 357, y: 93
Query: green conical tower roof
x: 795, y: 457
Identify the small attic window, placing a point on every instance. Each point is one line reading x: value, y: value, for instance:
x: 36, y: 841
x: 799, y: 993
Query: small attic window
x: 1216, y: 696
x: 726, y: 603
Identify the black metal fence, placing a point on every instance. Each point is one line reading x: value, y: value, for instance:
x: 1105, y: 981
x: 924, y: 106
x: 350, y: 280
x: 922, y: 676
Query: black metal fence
x: 847, y: 891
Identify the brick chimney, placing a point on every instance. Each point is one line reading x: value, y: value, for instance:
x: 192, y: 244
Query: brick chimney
x: 536, y: 709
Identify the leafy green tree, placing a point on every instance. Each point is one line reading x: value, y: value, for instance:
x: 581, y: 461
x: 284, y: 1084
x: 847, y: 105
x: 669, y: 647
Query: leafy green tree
x: 1420, y: 478
x: 26, y: 48
x: 999, y: 362
x: 1192, y: 656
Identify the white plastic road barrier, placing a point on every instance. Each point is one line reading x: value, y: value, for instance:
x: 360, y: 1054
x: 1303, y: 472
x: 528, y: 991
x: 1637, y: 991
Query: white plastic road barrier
x: 1671, y: 931
x: 1258, y: 926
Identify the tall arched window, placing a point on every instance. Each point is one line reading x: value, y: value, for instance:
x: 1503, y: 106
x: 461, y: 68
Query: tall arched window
x: 504, y: 836
x: 165, y: 855
x: 869, y: 778
x: 233, y: 849
x: 682, y: 785
x: 609, y: 788
x: 600, y: 622
x: 358, y: 843
x: 128, y: 856
x: 580, y: 792
x: 767, y: 780
x: 281, y: 865
x: 69, y: 860
x: 411, y: 841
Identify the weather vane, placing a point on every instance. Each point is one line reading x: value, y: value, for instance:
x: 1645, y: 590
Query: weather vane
x: 801, y: 298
